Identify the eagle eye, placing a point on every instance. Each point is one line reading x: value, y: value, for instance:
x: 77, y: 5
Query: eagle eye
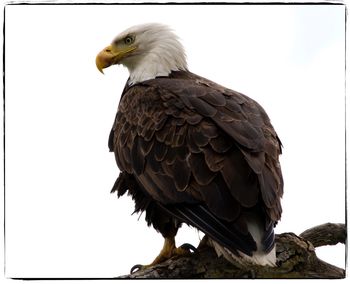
x: 129, y: 39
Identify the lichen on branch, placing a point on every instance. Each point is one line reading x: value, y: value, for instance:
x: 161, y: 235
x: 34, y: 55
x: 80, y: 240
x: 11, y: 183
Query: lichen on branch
x: 296, y: 258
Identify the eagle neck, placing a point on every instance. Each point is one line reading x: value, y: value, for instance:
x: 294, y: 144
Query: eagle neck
x: 159, y: 62
x: 151, y: 69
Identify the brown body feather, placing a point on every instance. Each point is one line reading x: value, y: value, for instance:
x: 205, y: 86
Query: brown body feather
x: 192, y: 151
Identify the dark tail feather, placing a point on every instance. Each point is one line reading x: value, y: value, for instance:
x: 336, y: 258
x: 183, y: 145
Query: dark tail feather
x: 269, y: 239
x: 201, y: 218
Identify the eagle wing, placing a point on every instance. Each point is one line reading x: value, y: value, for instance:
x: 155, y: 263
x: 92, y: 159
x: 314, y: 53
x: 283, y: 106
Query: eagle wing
x: 203, y: 152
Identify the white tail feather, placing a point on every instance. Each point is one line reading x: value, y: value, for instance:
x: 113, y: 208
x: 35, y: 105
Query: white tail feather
x: 259, y: 256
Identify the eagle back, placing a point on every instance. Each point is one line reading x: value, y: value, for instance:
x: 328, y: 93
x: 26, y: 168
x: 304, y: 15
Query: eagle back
x: 189, y: 140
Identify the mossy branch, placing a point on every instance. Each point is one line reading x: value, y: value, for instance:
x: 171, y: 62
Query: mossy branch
x: 296, y: 258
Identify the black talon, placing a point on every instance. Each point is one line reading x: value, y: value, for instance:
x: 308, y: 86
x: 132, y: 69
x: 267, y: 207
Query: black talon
x: 189, y: 247
x: 135, y: 268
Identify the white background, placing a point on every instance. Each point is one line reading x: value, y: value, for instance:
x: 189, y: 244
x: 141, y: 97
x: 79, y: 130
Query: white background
x: 61, y: 220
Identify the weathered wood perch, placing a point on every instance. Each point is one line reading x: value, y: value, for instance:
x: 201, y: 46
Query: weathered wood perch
x: 295, y: 254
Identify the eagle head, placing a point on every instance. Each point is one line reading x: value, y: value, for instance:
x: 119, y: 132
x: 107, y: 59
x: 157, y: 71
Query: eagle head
x: 148, y: 51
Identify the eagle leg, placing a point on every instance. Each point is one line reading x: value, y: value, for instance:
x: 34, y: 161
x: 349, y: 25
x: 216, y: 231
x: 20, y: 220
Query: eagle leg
x: 169, y: 250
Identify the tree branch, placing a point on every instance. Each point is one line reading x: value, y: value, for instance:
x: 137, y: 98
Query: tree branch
x: 296, y: 258
x: 326, y: 234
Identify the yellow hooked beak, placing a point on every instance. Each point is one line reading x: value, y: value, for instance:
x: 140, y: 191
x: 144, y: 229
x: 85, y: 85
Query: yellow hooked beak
x: 111, y: 55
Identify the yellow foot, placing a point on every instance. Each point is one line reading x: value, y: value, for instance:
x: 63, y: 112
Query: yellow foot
x: 169, y: 250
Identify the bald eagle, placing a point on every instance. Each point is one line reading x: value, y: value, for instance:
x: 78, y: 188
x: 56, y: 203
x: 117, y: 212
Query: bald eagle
x: 192, y: 151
